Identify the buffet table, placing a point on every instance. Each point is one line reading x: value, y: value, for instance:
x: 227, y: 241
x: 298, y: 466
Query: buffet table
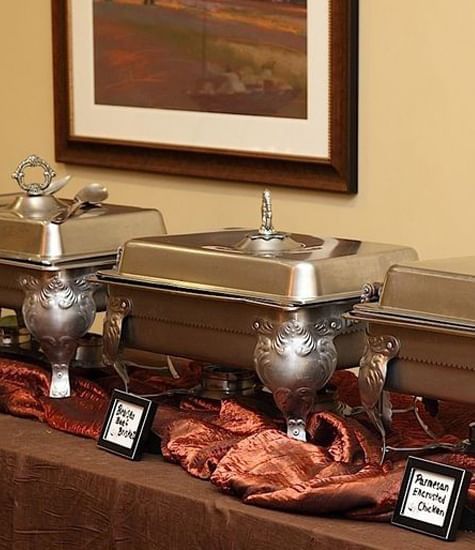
x: 60, y: 491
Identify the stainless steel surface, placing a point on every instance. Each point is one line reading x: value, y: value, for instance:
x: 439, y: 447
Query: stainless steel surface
x: 435, y: 290
x: 266, y: 265
x: 219, y: 382
x: 92, y: 194
x: 274, y: 306
x: 226, y: 330
x: 428, y: 309
x: 267, y: 241
x: 288, y: 278
x: 57, y: 185
x: 97, y: 232
x: 372, y: 378
x: 58, y: 309
x: 24, y: 348
x: 44, y: 266
x: 433, y: 363
x: 118, y: 308
x: 434, y: 295
x: 370, y: 292
x: 294, y: 360
x: 29, y: 236
x: 266, y: 213
x: 11, y: 275
x: 7, y: 198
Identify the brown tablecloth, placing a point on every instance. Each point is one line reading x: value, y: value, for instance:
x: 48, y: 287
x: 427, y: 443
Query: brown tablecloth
x: 59, y: 491
x: 244, y: 452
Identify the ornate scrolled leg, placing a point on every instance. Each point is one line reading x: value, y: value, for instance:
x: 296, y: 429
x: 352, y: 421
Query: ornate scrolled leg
x: 370, y: 292
x: 372, y: 377
x: 59, y: 351
x: 295, y: 360
x: 58, y: 309
x: 117, y: 310
x: 60, y: 386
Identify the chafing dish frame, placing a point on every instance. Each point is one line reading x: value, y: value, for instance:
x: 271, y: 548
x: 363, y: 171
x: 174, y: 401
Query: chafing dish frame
x: 294, y: 349
x: 49, y: 290
x: 293, y: 337
x: 426, y: 357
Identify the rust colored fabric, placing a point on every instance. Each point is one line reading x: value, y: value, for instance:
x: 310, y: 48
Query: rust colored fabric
x: 245, y: 453
x: 338, y: 471
x: 24, y: 391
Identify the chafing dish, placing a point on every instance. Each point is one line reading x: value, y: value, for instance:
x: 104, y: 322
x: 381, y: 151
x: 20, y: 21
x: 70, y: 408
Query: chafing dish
x: 261, y: 299
x: 421, y: 336
x: 47, y: 249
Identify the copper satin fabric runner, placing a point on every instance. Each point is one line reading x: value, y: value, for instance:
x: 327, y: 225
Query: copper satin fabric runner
x: 243, y: 452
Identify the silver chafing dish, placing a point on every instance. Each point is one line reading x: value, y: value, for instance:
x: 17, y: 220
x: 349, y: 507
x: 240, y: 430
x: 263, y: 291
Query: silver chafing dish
x: 420, y: 336
x: 48, y: 247
x: 263, y: 299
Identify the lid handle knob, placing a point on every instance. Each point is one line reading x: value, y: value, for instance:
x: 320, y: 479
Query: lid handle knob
x: 266, y: 210
x: 34, y: 189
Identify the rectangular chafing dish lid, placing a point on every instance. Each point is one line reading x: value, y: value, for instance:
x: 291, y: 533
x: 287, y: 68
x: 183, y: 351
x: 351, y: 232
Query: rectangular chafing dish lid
x: 99, y: 231
x: 217, y: 262
x: 433, y: 289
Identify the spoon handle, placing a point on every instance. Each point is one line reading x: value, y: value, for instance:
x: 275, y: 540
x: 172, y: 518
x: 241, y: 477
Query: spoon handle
x: 56, y: 185
x: 64, y: 215
x: 92, y: 194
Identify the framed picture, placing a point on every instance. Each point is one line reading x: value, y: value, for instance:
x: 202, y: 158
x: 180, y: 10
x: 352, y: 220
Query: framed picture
x: 431, y: 498
x: 127, y: 425
x: 258, y: 91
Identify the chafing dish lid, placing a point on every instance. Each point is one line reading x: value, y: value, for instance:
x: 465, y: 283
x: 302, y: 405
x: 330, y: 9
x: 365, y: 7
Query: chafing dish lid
x: 35, y: 227
x: 265, y: 264
x: 432, y: 290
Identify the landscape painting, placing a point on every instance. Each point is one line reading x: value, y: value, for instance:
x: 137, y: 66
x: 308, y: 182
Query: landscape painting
x: 246, y: 57
x: 258, y: 91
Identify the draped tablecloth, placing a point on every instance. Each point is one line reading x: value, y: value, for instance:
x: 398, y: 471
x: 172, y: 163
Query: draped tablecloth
x: 58, y: 491
x: 245, y: 453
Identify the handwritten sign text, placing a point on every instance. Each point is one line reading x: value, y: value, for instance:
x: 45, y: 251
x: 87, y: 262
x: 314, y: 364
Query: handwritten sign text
x: 428, y: 497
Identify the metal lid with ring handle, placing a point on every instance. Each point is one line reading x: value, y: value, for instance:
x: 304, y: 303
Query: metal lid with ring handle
x: 34, y: 189
x: 38, y: 202
x: 44, y: 231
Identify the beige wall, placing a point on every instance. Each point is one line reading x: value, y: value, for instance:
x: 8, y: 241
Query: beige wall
x: 417, y: 134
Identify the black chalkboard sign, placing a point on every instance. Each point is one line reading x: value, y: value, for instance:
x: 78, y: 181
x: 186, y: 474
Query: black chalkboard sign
x: 127, y: 425
x: 431, y: 498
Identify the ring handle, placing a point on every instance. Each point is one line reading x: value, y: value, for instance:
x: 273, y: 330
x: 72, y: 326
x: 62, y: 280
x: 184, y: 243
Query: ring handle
x: 34, y: 189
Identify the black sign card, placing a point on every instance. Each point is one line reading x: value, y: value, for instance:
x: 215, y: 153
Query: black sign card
x: 431, y: 498
x: 127, y: 424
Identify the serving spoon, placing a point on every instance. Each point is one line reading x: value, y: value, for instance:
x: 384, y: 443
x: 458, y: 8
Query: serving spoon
x: 56, y: 185
x: 92, y: 194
